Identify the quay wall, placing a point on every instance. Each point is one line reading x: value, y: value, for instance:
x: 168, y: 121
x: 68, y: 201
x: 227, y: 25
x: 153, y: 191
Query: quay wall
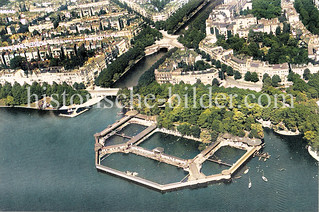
x: 166, y: 187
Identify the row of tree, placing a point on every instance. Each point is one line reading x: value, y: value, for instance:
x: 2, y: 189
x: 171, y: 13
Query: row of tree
x: 175, y: 20
x: 113, y: 72
x: 251, y: 77
x: 196, y: 31
x: 148, y: 76
x: 18, y: 95
x: 223, y: 68
x: 309, y: 14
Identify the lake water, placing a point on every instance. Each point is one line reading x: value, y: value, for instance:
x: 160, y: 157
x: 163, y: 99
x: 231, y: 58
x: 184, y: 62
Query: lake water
x: 47, y: 163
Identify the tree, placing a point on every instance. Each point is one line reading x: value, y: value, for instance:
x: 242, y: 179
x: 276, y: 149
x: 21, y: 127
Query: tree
x: 266, y: 82
x: 237, y: 75
x: 9, y: 100
x: 195, y: 131
x: 254, y: 77
x: 19, y: 62
x: 224, y: 68
x: 230, y: 71
x: 218, y: 64
x: 306, y: 74
x: 248, y: 76
x: 221, y: 75
x: 286, y: 28
x: 275, y: 80
x: 184, y: 129
x: 278, y: 31
x: 215, y: 82
x: 265, y: 76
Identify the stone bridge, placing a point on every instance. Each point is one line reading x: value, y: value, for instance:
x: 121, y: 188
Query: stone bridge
x: 168, y: 42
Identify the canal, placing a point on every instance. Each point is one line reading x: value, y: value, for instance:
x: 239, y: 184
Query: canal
x: 131, y: 78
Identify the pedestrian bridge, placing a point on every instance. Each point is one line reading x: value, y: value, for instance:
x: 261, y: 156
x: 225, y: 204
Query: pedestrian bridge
x: 98, y: 92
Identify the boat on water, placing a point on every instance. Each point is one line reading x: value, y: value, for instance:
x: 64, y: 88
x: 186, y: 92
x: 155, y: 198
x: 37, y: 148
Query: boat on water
x: 249, y: 184
x: 246, y: 171
x: 134, y: 174
x: 264, y: 178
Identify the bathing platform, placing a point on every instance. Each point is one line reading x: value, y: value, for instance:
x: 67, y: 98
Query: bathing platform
x: 195, y: 176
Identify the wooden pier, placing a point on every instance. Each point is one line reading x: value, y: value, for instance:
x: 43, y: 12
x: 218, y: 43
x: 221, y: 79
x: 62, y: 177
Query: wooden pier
x: 123, y: 135
x: 219, y: 162
x: 166, y: 187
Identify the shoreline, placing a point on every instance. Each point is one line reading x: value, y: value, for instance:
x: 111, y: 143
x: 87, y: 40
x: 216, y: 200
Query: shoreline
x: 30, y: 108
x: 287, y: 133
x: 313, y: 154
x: 268, y: 124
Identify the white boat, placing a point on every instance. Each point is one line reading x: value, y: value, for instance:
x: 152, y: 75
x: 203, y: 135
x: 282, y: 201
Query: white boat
x: 135, y: 174
x: 246, y: 171
x: 264, y: 178
x: 249, y: 184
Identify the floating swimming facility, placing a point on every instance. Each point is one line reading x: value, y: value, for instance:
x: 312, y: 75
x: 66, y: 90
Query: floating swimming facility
x: 106, y: 144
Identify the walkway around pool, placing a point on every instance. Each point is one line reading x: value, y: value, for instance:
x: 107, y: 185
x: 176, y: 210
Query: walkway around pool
x: 192, y: 166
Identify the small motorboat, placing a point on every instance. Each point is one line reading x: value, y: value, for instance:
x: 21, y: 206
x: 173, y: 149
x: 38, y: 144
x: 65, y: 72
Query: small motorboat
x: 135, y: 174
x: 246, y: 171
x: 264, y: 178
x: 249, y: 184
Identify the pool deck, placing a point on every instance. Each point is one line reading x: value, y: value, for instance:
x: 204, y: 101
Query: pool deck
x: 192, y: 166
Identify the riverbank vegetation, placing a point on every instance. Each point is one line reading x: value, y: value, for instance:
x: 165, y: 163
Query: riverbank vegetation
x: 178, y: 18
x: 17, y: 95
x: 196, y: 31
x: 303, y: 117
x: 148, y: 76
x: 113, y: 72
x: 308, y: 14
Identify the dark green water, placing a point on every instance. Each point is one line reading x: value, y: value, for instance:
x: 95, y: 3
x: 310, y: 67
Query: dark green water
x: 178, y: 147
x: 115, y: 140
x: 47, y: 163
x: 225, y: 154
x: 132, y: 129
x: 146, y: 168
x: 129, y: 130
x: 132, y: 76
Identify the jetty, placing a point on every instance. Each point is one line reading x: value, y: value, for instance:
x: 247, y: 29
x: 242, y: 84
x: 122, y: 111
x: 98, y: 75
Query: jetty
x: 219, y: 162
x: 195, y: 176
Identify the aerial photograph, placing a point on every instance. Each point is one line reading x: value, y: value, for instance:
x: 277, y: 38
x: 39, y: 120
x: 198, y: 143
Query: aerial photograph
x: 159, y: 105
